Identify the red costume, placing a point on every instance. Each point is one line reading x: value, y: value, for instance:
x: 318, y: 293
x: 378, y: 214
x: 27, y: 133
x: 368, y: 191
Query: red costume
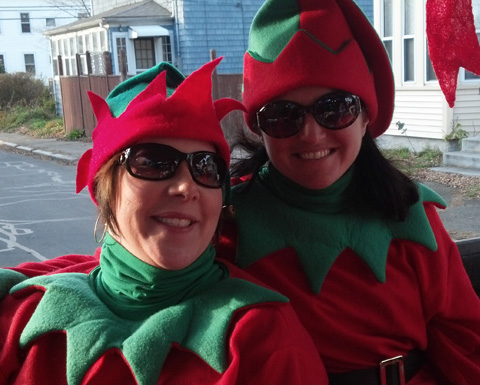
x: 365, y: 290
x: 57, y: 329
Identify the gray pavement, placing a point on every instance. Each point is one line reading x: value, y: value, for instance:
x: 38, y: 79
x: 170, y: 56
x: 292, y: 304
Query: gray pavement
x: 461, y: 218
x: 60, y: 150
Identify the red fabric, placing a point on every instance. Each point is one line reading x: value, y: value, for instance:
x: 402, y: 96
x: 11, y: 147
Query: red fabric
x: 355, y: 321
x: 75, y: 263
x: 267, y: 345
x: 452, y: 42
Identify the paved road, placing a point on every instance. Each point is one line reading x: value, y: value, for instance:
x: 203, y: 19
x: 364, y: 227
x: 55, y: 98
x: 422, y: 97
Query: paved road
x: 41, y: 217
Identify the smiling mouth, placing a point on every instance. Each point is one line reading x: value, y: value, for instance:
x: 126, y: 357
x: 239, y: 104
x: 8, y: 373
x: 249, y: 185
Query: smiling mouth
x: 175, y: 222
x: 314, y: 155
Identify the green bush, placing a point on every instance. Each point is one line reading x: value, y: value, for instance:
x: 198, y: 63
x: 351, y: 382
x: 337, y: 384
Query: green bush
x: 21, y: 89
x: 26, y: 104
x: 75, y: 135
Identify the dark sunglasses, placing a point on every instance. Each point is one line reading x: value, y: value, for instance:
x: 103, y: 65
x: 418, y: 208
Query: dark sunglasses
x: 153, y: 161
x: 284, y: 118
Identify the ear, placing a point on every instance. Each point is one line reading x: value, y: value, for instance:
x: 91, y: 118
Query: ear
x: 365, y: 122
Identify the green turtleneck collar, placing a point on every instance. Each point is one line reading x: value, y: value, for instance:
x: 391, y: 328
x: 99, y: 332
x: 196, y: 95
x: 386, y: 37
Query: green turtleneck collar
x: 134, y: 289
x: 275, y: 213
x: 331, y: 199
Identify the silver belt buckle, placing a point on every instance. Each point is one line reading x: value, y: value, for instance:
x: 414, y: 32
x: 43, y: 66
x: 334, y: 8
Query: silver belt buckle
x: 389, y: 362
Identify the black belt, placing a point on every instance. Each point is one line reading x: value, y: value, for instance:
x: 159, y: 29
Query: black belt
x: 393, y: 371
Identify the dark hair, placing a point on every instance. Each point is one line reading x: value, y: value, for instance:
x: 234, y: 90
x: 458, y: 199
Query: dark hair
x: 377, y: 185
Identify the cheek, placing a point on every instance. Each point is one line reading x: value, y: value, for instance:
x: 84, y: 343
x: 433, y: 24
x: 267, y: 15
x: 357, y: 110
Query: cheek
x: 212, y: 204
x: 130, y: 200
x: 276, y: 149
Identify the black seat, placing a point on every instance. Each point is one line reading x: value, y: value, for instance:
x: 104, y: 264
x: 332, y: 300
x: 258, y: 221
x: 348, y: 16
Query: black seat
x: 470, y: 252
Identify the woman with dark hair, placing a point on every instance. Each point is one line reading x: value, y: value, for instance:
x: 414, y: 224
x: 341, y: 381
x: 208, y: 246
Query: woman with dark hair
x: 153, y: 306
x: 322, y: 216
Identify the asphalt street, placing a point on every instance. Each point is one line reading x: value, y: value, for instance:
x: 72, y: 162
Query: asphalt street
x: 41, y: 216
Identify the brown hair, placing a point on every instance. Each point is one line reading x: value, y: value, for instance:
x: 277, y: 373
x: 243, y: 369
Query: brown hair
x: 105, y: 189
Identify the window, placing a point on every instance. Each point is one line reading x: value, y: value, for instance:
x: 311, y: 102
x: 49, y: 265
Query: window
x: 409, y: 40
x: 71, y: 47
x: 122, y: 47
x: 29, y: 63
x: 103, y: 41
x: 88, y: 45
x: 476, y: 13
x: 50, y: 22
x: 166, y: 49
x: 387, y: 28
x: 80, y: 46
x: 430, y: 73
x: 25, y: 20
x: 144, y: 54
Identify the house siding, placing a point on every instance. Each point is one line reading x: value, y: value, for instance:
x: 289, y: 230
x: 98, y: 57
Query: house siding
x: 222, y: 26
x: 467, y: 108
x: 14, y: 44
x: 421, y: 109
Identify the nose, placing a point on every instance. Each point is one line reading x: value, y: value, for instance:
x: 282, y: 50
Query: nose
x: 182, y: 184
x: 311, y: 131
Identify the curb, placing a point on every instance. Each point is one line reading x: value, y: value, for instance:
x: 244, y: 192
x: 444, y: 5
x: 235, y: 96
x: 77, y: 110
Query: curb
x: 41, y: 153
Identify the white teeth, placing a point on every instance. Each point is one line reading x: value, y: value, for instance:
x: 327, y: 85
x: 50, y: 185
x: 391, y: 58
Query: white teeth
x: 314, y: 155
x: 176, y: 222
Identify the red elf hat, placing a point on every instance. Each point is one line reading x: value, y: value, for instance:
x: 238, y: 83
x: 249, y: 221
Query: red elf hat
x: 328, y: 43
x: 146, y: 111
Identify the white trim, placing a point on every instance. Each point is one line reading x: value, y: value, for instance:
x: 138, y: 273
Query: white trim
x: 135, y: 32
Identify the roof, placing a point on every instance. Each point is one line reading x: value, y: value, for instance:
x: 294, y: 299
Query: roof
x: 144, y: 12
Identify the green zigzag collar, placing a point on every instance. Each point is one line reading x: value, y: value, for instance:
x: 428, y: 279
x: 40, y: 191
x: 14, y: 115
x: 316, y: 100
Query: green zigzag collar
x: 319, y: 226
x: 91, y: 328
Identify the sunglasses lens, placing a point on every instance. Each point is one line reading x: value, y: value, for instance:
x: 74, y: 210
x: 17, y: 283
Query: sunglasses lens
x: 152, y: 161
x: 336, y: 111
x: 208, y: 169
x: 284, y: 118
x: 280, y: 119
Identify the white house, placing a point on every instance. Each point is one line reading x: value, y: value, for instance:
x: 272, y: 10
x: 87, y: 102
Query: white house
x: 419, y: 101
x: 23, y: 45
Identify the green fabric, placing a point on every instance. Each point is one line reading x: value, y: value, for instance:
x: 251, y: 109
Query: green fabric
x: 199, y: 324
x: 276, y: 213
x: 274, y: 26
x: 8, y: 279
x: 133, y: 289
x: 125, y: 92
x: 267, y: 40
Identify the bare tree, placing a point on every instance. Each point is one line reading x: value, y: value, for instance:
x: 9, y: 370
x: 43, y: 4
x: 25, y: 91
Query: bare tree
x: 75, y: 8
